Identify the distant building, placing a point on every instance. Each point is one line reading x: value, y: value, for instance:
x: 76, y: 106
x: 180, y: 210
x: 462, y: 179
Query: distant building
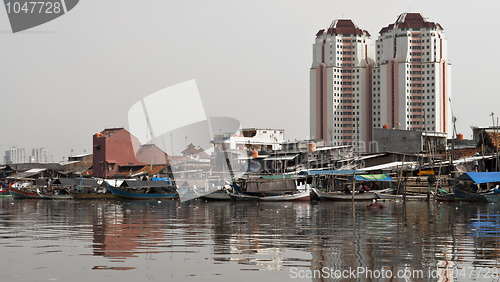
x: 40, y: 155
x: 412, y: 79
x: 193, y: 153
x: 403, y: 81
x: 15, y: 156
x: 116, y: 148
x: 341, y: 89
x: 252, y: 138
x: 408, y: 141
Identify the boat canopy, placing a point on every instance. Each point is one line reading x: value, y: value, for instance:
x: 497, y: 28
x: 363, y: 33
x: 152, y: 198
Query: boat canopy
x: 481, y: 177
x: 374, y: 177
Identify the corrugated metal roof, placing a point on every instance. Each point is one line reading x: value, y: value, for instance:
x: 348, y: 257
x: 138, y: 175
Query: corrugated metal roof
x: 76, y: 181
x: 28, y: 173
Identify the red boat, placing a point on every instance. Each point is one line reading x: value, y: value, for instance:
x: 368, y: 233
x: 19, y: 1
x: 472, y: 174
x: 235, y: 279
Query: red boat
x: 23, y: 193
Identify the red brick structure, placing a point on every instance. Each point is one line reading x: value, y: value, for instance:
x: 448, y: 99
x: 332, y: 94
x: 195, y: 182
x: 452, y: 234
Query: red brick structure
x: 116, y: 147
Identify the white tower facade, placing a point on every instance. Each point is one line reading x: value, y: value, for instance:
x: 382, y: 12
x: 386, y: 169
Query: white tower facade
x: 341, y: 92
x: 412, y: 77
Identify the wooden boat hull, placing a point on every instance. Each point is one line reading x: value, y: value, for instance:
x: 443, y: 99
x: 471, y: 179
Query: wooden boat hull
x: 91, y: 196
x: 445, y: 197
x: 493, y: 198
x: 386, y: 196
x: 321, y: 195
x: 461, y: 195
x: 55, y: 197
x: 217, y: 195
x: 126, y: 195
x: 21, y: 194
x: 300, y: 196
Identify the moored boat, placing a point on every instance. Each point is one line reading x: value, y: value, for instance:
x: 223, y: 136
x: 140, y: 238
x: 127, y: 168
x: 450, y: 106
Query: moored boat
x: 24, y: 193
x: 57, y: 195
x: 470, y: 189
x: 90, y: 190
x: 493, y: 198
x: 90, y: 196
x: 272, y: 189
x: 462, y: 195
x: 126, y: 194
x: 447, y: 197
x: 4, y: 190
x: 390, y: 196
x: 144, y: 190
x: 339, y: 196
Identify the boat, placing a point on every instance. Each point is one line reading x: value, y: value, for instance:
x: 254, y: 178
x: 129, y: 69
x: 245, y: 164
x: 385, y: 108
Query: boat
x: 493, y: 198
x: 445, y: 197
x: 54, y: 195
x: 144, y: 190
x: 473, y: 193
x: 340, y: 196
x: 272, y: 189
x: 210, y: 189
x: 90, y: 195
x: 220, y: 195
x: 4, y: 190
x: 24, y: 193
x: 462, y: 195
x: 365, y: 193
x: 390, y: 196
x: 91, y: 191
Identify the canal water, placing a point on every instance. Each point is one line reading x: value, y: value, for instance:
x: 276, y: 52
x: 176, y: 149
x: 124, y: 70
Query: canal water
x: 66, y: 240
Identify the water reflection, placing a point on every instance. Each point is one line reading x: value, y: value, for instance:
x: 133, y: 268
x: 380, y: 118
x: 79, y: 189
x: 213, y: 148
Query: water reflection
x: 248, y: 240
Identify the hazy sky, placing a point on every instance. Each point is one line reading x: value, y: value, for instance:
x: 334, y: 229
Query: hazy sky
x: 66, y: 80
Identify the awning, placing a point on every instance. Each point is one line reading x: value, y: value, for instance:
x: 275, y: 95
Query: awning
x: 374, y: 177
x: 281, y: 158
x: 481, y: 177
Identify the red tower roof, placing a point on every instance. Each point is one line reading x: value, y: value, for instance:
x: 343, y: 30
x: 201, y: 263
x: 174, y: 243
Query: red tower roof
x: 411, y: 20
x: 344, y: 27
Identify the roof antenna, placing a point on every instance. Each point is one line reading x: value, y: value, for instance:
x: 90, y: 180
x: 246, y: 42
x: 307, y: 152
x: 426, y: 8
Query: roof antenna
x: 410, y: 9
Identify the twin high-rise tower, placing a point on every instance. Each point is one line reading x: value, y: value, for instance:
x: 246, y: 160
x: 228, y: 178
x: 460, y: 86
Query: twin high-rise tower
x: 402, y: 81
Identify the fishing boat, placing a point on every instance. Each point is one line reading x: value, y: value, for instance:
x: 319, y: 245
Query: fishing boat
x: 144, y: 190
x: 4, y: 190
x: 445, y: 197
x: 363, y: 194
x: 211, y: 189
x: 54, y: 195
x: 472, y: 193
x: 340, y: 196
x: 90, y: 190
x: 391, y: 196
x: 23, y: 193
x: 462, y: 195
x: 493, y: 198
x: 91, y: 195
x: 272, y: 189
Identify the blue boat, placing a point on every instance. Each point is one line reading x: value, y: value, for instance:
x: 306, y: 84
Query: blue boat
x: 478, y: 178
x: 461, y: 195
x: 144, y: 190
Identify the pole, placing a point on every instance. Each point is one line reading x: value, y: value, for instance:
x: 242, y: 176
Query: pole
x: 353, y: 186
x: 400, y: 174
x: 496, y: 143
x: 439, y: 175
